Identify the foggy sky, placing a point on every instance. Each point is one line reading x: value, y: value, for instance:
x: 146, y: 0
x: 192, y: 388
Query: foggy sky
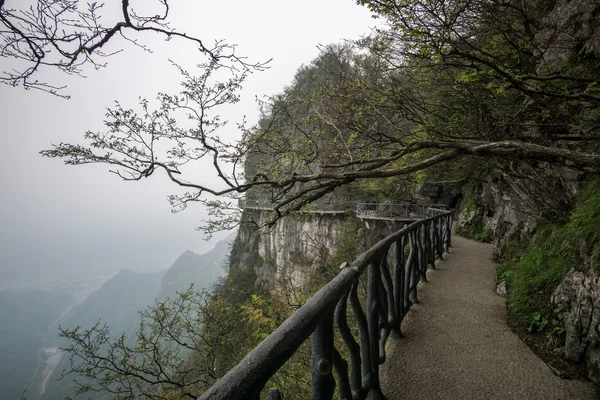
x: 55, y: 218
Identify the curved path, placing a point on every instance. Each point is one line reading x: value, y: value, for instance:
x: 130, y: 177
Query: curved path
x: 457, y: 344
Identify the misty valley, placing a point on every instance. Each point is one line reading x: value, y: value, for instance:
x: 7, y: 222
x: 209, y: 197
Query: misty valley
x: 31, y: 359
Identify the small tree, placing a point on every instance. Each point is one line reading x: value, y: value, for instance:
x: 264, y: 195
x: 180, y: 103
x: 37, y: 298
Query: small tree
x: 174, y: 355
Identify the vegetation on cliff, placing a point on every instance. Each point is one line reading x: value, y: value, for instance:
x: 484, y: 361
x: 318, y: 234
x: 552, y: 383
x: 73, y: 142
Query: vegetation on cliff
x: 533, y: 270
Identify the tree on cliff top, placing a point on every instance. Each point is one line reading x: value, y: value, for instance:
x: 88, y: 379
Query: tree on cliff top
x: 444, y: 80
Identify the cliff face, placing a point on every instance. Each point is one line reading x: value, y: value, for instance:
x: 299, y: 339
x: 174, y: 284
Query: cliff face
x: 512, y: 207
x: 511, y: 204
x: 291, y: 251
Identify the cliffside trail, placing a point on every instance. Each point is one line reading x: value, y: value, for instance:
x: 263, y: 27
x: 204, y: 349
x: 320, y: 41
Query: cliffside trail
x: 458, y: 344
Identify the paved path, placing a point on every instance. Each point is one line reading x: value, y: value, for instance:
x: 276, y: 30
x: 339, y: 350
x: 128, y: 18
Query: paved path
x: 457, y: 344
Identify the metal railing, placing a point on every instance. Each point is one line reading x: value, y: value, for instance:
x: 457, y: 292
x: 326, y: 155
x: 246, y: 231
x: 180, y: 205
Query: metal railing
x: 263, y: 204
x: 393, y: 268
x: 364, y: 210
x: 391, y: 211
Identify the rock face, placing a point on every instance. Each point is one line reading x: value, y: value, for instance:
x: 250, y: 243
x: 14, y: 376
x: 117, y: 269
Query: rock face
x: 579, y: 298
x: 291, y: 250
x: 435, y: 193
x: 298, y: 246
x: 570, y: 28
x: 511, y: 206
x: 512, y: 203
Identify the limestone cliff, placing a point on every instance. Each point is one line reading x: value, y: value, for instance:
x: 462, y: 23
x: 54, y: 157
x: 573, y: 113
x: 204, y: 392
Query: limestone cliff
x: 511, y: 203
x: 290, y: 251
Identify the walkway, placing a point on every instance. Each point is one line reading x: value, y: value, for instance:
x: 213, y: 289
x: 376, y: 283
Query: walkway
x: 457, y: 344
x: 395, y: 212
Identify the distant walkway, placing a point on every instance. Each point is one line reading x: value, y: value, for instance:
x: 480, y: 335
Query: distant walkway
x: 395, y: 212
x: 457, y: 344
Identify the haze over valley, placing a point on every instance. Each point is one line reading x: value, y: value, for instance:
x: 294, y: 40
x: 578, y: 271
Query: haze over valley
x: 30, y: 355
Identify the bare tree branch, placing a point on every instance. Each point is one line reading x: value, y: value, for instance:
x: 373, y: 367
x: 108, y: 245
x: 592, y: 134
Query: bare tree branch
x: 69, y: 34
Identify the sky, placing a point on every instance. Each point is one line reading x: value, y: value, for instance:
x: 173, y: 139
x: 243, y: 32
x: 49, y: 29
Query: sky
x: 56, y: 219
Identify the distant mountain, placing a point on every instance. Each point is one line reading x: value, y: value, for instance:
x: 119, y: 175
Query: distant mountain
x: 117, y: 302
x: 202, y: 270
x: 25, y: 320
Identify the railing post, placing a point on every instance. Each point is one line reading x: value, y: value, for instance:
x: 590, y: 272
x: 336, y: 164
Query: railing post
x: 350, y: 387
x: 388, y: 287
x: 323, y: 383
x: 449, y: 240
x: 412, y: 277
x: 399, y: 282
x: 373, y: 282
x: 439, y: 245
x: 429, y: 241
x: 363, y: 326
x: 421, y: 253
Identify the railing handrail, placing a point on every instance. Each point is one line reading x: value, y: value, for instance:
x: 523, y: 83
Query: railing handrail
x: 249, y: 377
x: 383, y: 209
x: 403, y: 204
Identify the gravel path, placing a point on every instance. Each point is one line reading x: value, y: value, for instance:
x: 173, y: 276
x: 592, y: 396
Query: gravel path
x: 457, y: 344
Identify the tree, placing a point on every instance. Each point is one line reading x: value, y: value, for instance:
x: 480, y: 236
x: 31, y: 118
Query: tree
x: 526, y: 49
x: 444, y: 81
x: 517, y: 97
x: 182, y: 346
x: 373, y: 112
x: 69, y: 34
x: 179, y: 350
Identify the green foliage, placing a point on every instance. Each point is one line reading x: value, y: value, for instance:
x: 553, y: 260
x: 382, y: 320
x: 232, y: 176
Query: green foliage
x: 539, y: 270
x: 476, y: 231
x: 511, y: 255
x: 157, y: 361
x: 469, y: 202
x: 263, y: 314
x: 583, y: 231
x: 487, y: 236
x: 533, y: 271
x: 348, y: 241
